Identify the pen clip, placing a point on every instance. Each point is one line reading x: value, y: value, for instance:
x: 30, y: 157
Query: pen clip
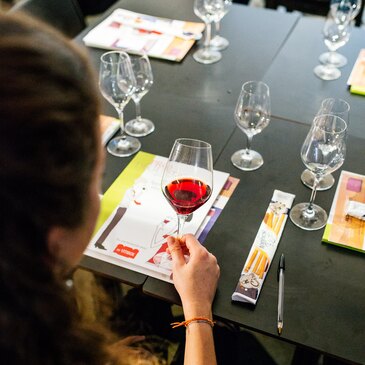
x: 281, y: 265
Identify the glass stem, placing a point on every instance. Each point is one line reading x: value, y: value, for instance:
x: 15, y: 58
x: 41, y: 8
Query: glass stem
x: 181, y: 219
x: 121, y: 121
x: 331, y: 58
x: 313, y: 195
x: 208, y: 36
x: 137, y: 103
x: 248, y: 146
x: 217, y: 27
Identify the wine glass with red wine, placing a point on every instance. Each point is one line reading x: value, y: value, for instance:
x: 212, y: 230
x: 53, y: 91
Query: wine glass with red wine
x: 187, y: 181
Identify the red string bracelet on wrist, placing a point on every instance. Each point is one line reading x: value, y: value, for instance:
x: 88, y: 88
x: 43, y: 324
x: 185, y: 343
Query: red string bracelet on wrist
x: 192, y: 320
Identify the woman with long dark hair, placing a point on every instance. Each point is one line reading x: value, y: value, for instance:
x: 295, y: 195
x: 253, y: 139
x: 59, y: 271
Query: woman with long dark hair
x: 51, y: 163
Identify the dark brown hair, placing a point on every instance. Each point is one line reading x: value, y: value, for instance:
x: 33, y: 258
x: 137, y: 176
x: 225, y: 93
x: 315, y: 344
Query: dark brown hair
x: 48, y: 150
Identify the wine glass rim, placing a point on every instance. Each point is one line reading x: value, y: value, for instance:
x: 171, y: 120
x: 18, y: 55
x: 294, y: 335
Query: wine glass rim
x: 254, y: 82
x: 102, y: 57
x: 203, y: 143
x: 342, y: 130
x: 338, y: 100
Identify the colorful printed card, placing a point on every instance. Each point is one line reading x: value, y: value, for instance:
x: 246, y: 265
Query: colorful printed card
x: 346, y: 221
x: 140, y: 33
x: 263, y: 248
x: 136, y: 219
x: 356, y: 80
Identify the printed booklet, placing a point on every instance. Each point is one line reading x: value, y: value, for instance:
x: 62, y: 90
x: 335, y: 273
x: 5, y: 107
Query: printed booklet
x: 346, y: 222
x: 140, y: 33
x: 136, y: 218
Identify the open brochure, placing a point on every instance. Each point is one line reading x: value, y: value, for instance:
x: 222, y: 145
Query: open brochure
x: 140, y: 33
x: 346, y: 222
x: 136, y: 218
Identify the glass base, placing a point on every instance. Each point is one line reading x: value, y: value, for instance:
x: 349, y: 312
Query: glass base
x: 218, y: 43
x: 311, y: 220
x: 325, y: 183
x: 207, y: 56
x: 327, y: 73
x: 247, y: 161
x: 123, y: 146
x: 335, y: 59
x: 139, y: 127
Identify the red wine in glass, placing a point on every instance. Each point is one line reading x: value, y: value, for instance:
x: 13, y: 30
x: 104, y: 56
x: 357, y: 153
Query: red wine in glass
x: 187, y: 181
x: 187, y: 195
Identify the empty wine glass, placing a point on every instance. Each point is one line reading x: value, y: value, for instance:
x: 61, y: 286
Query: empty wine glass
x: 140, y: 127
x: 343, y: 12
x: 117, y: 84
x: 187, y: 181
x: 334, y: 106
x: 219, y: 43
x: 252, y: 115
x: 335, y: 35
x: 207, y: 10
x: 323, y: 152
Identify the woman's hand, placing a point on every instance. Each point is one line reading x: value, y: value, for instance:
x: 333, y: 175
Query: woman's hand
x: 195, y: 280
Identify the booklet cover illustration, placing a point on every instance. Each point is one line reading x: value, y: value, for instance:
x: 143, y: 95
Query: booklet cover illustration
x: 346, y: 221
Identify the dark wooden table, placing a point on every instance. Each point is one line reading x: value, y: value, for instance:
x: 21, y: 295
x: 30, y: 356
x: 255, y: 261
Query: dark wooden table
x: 322, y: 304
x: 193, y: 100
x: 325, y: 291
x: 324, y: 284
x: 296, y: 92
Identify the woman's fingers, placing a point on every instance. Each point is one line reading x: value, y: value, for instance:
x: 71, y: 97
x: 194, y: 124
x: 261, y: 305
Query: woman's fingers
x: 176, y: 250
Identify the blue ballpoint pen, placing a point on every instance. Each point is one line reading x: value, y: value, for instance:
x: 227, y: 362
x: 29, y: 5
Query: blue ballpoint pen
x: 281, y: 269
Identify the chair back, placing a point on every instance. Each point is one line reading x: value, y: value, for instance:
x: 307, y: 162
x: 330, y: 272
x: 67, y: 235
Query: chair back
x: 65, y: 15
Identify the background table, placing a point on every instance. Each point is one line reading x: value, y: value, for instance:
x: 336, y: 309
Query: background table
x: 296, y: 92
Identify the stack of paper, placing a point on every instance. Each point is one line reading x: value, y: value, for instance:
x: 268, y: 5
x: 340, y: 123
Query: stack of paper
x: 141, y: 33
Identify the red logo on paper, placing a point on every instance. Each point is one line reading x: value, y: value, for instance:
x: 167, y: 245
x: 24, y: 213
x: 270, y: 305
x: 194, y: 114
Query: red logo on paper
x: 126, y: 251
